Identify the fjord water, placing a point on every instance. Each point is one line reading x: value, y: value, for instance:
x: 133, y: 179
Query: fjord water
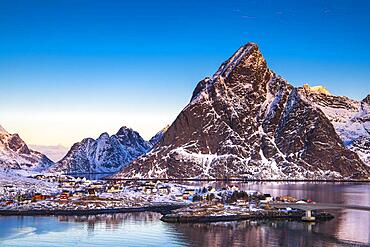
x: 349, y: 228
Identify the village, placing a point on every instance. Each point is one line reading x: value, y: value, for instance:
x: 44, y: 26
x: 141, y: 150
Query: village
x: 79, y: 193
x: 72, y: 195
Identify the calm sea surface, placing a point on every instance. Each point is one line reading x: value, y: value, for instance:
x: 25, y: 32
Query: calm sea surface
x: 349, y: 228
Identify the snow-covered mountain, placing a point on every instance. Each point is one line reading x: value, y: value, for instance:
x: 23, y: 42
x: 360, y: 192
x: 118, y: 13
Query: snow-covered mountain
x: 350, y: 118
x: 246, y: 121
x: 105, y: 154
x: 15, y: 154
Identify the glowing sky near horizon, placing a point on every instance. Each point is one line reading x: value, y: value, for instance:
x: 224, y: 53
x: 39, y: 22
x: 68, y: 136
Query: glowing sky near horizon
x: 75, y: 69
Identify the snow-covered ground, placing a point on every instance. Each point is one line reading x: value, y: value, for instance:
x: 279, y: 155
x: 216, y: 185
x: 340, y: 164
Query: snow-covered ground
x: 20, y: 182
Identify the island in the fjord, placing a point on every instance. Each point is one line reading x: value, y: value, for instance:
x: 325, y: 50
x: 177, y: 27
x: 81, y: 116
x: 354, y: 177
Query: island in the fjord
x: 244, y: 122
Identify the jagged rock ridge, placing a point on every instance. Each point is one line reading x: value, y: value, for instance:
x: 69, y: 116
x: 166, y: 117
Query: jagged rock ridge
x: 246, y: 121
x: 15, y: 154
x: 105, y: 154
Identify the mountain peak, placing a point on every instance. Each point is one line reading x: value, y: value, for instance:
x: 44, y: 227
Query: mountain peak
x: 251, y: 44
x: 124, y: 130
x: 241, y: 54
x: 104, y: 135
x: 366, y: 99
x: 246, y: 62
x: 15, y: 154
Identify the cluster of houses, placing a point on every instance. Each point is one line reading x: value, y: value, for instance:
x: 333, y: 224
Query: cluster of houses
x: 80, y: 193
x: 229, y: 195
x: 11, y: 193
x: 149, y: 187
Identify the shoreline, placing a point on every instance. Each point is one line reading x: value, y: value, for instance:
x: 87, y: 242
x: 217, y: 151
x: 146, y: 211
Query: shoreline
x: 169, y: 217
x: 162, y: 209
x: 258, y: 215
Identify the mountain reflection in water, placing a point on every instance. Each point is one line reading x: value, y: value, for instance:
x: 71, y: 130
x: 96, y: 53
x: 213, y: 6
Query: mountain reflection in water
x: 253, y: 233
x: 112, y: 221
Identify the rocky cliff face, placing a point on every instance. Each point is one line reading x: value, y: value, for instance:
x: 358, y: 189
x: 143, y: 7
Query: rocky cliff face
x: 105, y: 154
x: 246, y: 121
x: 15, y: 154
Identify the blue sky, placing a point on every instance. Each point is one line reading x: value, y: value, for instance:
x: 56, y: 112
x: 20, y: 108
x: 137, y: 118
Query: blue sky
x: 72, y: 69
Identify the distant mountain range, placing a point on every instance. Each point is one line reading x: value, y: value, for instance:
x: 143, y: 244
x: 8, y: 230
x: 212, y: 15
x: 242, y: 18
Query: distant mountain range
x: 246, y: 121
x: 106, y: 154
x: 15, y: 154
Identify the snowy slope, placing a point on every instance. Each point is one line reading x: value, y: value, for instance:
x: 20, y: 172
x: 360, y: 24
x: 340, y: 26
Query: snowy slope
x: 22, y: 183
x: 350, y: 118
x: 105, y: 154
x: 15, y: 154
x: 246, y: 121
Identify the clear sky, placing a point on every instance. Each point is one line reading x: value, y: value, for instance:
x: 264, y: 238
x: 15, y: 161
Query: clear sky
x: 71, y: 69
